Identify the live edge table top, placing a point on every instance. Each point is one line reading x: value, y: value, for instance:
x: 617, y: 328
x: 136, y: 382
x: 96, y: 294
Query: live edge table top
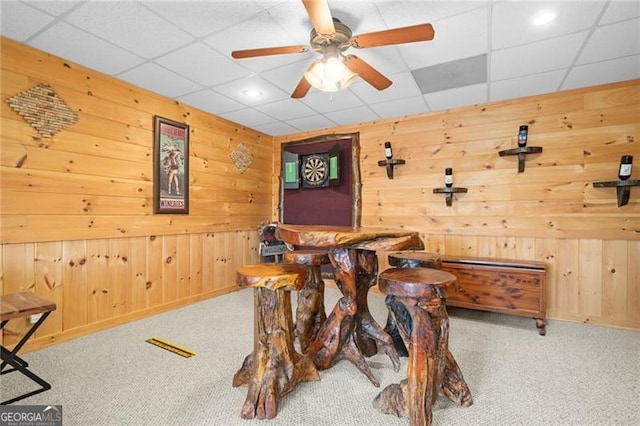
x: 367, y: 238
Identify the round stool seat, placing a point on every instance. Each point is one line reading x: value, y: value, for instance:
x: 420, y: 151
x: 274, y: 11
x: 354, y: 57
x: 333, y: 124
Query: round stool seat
x: 419, y: 283
x: 273, y: 276
x: 307, y: 257
x: 415, y: 259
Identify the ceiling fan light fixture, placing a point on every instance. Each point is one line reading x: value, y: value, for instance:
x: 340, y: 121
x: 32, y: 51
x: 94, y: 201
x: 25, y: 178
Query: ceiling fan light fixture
x: 330, y: 74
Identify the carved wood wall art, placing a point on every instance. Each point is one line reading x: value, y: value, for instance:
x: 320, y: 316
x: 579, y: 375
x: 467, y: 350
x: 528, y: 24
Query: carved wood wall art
x: 241, y: 157
x: 43, y: 109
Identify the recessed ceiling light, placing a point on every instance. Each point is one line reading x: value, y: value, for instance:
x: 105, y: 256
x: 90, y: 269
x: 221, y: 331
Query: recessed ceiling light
x: 544, y: 18
x: 252, y: 93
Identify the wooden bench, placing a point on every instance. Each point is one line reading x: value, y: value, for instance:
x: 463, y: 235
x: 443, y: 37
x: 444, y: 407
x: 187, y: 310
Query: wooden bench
x: 15, y: 306
x: 506, y: 286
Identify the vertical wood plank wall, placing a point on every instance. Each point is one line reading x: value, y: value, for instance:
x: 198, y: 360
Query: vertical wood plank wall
x: 551, y: 212
x: 77, y: 222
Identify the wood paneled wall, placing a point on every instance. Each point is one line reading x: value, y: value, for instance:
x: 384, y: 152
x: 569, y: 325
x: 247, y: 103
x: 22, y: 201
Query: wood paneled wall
x: 551, y: 212
x: 77, y: 223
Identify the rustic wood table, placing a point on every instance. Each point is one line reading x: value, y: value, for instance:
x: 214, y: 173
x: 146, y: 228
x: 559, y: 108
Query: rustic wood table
x: 350, y: 332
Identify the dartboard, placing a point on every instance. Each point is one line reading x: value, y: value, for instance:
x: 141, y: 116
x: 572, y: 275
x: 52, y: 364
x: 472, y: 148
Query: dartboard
x: 315, y: 170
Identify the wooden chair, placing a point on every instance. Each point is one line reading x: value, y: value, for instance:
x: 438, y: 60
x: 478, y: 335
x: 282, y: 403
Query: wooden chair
x: 22, y: 305
x: 310, y: 312
x: 274, y: 367
x: 425, y: 331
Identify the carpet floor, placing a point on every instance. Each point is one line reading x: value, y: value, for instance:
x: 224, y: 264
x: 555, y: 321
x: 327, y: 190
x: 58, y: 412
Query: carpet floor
x: 575, y: 375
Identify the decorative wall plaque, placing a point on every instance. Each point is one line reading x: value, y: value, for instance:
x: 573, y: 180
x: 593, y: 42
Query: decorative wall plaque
x: 43, y: 109
x: 241, y: 157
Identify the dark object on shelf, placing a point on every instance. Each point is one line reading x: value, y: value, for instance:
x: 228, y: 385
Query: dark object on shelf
x: 522, y: 135
x: 623, y: 189
x: 521, y: 152
x: 387, y: 150
x: 389, y: 165
x: 626, y: 164
x: 448, y: 177
x: 449, y: 192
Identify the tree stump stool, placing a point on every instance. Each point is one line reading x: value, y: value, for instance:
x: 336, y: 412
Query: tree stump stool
x: 274, y: 367
x: 406, y: 259
x: 310, y: 313
x: 421, y: 292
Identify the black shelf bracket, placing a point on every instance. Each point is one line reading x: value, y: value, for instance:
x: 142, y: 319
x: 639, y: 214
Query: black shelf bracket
x: 449, y: 192
x: 390, y: 164
x: 521, y: 152
x: 623, y: 189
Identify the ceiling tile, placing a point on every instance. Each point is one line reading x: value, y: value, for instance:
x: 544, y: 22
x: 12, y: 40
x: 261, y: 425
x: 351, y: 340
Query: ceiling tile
x: 313, y: 122
x: 352, y: 115
x: 203, y: 18
x: 418, y: 12
x: 286, y: 109
x: 248, y: 117
x: 20, y: 21
x: 131, y: 26
x: 534, y: 58
x: 157, y: 79
x: 79, y: 47
x: 512, y: 21
x: 603, y: 72
x: 620, y: 11
x: 55, y: 8
x: 403, y: 86
x: 253, y: 35
x: 208, y: 100
x: 236, y: 90
x: 331, y: 101
x: 458, y: 97
x: 460, y: 36
x: 276, y: 129
x: 400, y: 107
x: 526, y: 86
x: 200, y: 63
x: 612, y: 41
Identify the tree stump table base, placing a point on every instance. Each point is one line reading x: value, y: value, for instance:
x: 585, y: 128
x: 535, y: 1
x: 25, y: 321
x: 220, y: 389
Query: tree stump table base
x: 424, y: 327
x: 310, y: 312
x: 274, y: 367
x: 350, y: 331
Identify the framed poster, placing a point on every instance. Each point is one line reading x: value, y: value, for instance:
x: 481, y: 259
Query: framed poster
x: 170, y: 167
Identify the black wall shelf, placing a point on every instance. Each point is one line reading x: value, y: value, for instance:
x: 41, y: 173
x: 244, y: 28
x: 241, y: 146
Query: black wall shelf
x: 449, y: 192
x: 521, y: 152
x: 390, y: 164
x: 623, y: 189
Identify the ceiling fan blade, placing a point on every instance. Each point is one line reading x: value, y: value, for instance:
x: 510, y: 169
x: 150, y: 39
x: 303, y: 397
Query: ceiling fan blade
x: 301, y: 89
x: 367, y: 72
x: 266, y: 51
x: 422, y: 32
x: 320, y: 14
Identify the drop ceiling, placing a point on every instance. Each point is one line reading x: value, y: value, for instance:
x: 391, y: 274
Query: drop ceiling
x: 182, y: 50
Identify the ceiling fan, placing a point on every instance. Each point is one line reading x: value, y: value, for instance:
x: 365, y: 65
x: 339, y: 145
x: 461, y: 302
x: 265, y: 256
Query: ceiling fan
x: 331, y: 38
